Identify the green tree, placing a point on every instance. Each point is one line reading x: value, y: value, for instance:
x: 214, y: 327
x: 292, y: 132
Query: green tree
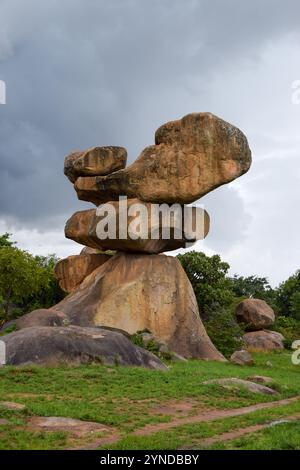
x: 5, y: 240
x: 20, y: 276
x: 253, y: 287
x: 288, y: 296
x: 207, y: 275
x: 49, y: 292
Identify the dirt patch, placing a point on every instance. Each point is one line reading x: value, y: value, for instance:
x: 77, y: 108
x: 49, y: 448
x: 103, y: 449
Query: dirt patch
x: 176, y: 408
x: 10, y: 405
x: 210, y: 416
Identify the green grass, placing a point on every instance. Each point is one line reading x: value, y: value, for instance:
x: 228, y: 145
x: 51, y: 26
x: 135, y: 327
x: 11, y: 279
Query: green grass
x: 285, y: 436
x: 126, y: 398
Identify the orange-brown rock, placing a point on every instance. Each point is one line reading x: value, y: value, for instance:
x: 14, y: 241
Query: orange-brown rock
x: 95, y: 161
x: 83, y: 227
x: 135, y: 292
x: 89, y: 251
x: 264, y: 340
x: 71, y: 271
x: 256, y: 314
x: 191, y: 157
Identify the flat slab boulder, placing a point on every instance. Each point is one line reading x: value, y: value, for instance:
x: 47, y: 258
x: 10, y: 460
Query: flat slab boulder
x: 256, y: 314
x: 71, y: 271
x: 42, y: 317
x: 136, y: 292
x: 190, y: 158
x: 74, y: 344
x: 137, y: 226
x: 235, y: 383
x: 95, y: 161
x: 264, y: 340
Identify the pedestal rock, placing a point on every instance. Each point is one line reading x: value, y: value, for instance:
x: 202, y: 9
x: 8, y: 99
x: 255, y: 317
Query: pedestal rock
x: 135, y: 292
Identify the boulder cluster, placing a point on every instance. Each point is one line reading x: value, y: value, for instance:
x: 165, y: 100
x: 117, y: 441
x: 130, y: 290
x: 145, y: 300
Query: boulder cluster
x: 125, y: 283
x: 257, y: 317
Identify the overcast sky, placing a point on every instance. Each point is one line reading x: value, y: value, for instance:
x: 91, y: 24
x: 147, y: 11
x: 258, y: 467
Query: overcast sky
x: 81, y: 73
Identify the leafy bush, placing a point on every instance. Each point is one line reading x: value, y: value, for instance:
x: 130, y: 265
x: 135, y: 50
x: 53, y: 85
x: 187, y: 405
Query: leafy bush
x: 224, y: 331
x: 289, y: 328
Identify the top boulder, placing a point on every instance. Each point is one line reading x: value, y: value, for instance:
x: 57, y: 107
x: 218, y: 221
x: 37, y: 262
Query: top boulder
x: 191, y: 157
x: 94, y: 162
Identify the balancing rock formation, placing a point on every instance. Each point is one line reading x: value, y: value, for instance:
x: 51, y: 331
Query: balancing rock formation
x: 136, y: 287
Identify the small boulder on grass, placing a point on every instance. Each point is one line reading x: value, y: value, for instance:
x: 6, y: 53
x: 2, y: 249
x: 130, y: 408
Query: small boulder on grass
x: 242, y: 358
x: 234, y: 383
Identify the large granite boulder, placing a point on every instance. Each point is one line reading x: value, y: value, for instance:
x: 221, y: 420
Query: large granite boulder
x: 191, y: 157
x: 74, y: 344
x: 264, y: 340
x: 95, y: 161
x: 136, y: 228
x: 256, y: 314
x: 135, y: 292
x: 71, y: 271
x: 42, y: 317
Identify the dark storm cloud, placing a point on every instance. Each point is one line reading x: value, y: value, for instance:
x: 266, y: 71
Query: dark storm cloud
x: 84, y: 73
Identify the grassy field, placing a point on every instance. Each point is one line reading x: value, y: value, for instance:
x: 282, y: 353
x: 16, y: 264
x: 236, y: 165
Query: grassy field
x: 128, y: 399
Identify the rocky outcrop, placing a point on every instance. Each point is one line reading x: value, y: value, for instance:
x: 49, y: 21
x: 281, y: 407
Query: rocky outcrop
x: 264, y: 340
x: 71, y: 271
x: 95, y: 161
x: 73, y: 344
x: 42, y: 317
x: 191, y: 157
x: 256, y: 314
x: 150, y: 234
x: 143, y: 292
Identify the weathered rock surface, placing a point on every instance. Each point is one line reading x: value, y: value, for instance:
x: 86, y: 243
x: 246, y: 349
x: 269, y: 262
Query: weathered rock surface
x: 42, y: 317
x: 233, y: 382
x: 95, y: 161
x: 242, y: 358
x: 89, y: 251
x: 263, y: 340
x: 131, y: 235
x: 255, y: 313
x: 71, y: 271
x: 261, y: 379
x: 74, y: 344
x: 76, y: 427
x: 136, y: 292
x: 192, y: 156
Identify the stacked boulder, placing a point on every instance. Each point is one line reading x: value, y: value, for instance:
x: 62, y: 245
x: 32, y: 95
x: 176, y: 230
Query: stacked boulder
x: 139, y: 288
x: 257, y: 316
x: 124, y: 282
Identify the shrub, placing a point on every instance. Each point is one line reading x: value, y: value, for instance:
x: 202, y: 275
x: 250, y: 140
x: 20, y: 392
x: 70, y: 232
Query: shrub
x: 224, y: 331
x: 289, y: 328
